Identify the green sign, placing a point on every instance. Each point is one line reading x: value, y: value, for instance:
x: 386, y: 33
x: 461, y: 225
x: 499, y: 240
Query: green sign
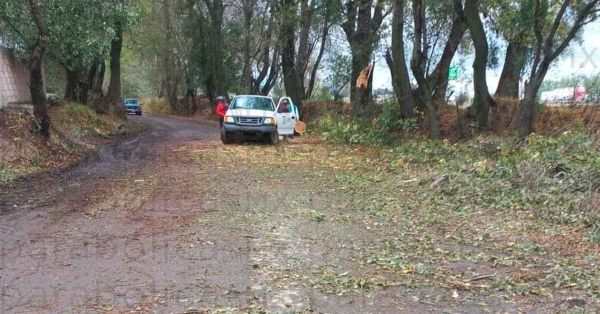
x: 453, y: 73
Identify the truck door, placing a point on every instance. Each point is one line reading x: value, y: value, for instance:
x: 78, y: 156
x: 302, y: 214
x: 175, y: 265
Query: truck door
x: 286, y: 117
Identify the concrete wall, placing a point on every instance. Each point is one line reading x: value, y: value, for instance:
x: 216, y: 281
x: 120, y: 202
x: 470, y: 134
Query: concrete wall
x: 14, y: 80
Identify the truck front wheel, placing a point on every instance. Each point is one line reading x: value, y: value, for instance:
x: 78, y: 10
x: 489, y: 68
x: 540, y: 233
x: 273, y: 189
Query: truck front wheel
x: 226, y: 138
x: 273, y: 138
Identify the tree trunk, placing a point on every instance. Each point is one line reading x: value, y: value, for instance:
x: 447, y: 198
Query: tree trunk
x: 508, y: 87
x: 547, y: 50
x: 36, y: 87
x: 527, y: 111
x: 273, y: 75
x: 268, y: 66
x: 99, y: 80
x: 210, y: 88
x: 361, y: 105
x: 440, y: 75
x: 361, y: 61
x: 84, y: 89
x: 72, y: 87
x: 172, y: 88
x: 419, y: 68
x: 246, y: 78
x: 190, y: 97
x: 528, y: 103
x: 397, y: 63
x: 114, y: 96
x: 483, y: 100
x: 36, y: 79
x: 313, y: 74
x: 88, y: 85
x: 216, y: 9
x: 306, y: 13
x: 363, y: 21
x: 290, y: 76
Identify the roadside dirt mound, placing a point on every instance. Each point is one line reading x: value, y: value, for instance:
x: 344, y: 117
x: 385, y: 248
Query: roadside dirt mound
x: 560, y: 119
x: 23, y: 152
x: 16, y: 138
x: 76, y: 131
x: 550, y: 121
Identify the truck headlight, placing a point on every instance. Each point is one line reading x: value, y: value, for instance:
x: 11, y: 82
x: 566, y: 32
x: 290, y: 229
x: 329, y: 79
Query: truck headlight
x: 229, y: 119
x: 270, y: 121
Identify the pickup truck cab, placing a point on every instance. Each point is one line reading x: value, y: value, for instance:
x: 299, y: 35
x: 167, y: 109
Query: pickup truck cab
x: 257, y: 117
x: 132, y: 106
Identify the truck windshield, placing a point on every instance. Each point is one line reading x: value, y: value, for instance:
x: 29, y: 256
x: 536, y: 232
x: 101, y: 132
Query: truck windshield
x: 258, y: 103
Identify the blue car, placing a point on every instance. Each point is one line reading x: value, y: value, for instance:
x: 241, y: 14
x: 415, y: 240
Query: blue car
x: 132, y: 106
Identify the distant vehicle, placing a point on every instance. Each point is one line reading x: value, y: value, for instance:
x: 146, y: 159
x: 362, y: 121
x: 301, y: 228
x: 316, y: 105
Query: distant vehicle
x: 257, y: 117
x: 569, y: 95
x: 132, y: 106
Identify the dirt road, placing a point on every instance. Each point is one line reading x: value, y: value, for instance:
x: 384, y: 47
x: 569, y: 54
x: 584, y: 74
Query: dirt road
x: 172, y: 221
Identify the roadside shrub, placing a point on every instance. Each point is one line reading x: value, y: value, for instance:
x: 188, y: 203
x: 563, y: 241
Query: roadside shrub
x: 80, y: 113
x: 334, y: 123
x: 82, y: 120
x: 348, y: 131
x: 594, y: 233
x: 391, y: 119
x: 313, y: 111
x: 156, y: 105
x: 559, y: 176
x: 556, y: 178
x: 4, y: 174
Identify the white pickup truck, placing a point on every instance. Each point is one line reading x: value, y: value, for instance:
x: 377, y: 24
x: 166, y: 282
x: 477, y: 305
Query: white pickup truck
x: 257, y: 117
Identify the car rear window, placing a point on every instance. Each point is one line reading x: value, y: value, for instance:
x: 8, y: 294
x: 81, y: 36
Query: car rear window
x: 258, y: 103
x: 131, y: 102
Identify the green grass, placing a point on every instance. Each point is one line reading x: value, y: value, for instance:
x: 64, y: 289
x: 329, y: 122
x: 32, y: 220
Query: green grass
x: 5, y: 174
x: 318, y: 216
x: 343, y: 284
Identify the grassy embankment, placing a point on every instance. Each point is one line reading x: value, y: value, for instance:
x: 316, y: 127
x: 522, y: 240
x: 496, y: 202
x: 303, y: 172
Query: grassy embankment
x: 76, y: 132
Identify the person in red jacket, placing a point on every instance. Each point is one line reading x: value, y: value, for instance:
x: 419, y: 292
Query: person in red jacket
x: 222, y: 107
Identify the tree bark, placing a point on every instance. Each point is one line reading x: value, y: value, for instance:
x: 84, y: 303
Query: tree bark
x: 440, y: 74
x: 246, y: 78
x: 527, y: 111
x: 361, y: 60
x: 99, y: 80
x: 363, y: 92
x: 264, y: 82
x: 72, y: 87
x: 419, y: 68
x: 363, y: 21
x: 288, y: 44
x: 324, y: 36
x: 273, y: 75
x: 508, y: 86
x: 190, y: 98
x: 36, y: 79
x: 88, y: 85
x: 397, y: 63
x: 302, y: 59
x: 172, y: 85
x: 483, y: 101
x: 114, y: 96
x: 216, y: 10
x: 84, y: 90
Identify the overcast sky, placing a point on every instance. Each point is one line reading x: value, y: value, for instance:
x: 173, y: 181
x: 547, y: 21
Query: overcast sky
x: 581, y: 59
